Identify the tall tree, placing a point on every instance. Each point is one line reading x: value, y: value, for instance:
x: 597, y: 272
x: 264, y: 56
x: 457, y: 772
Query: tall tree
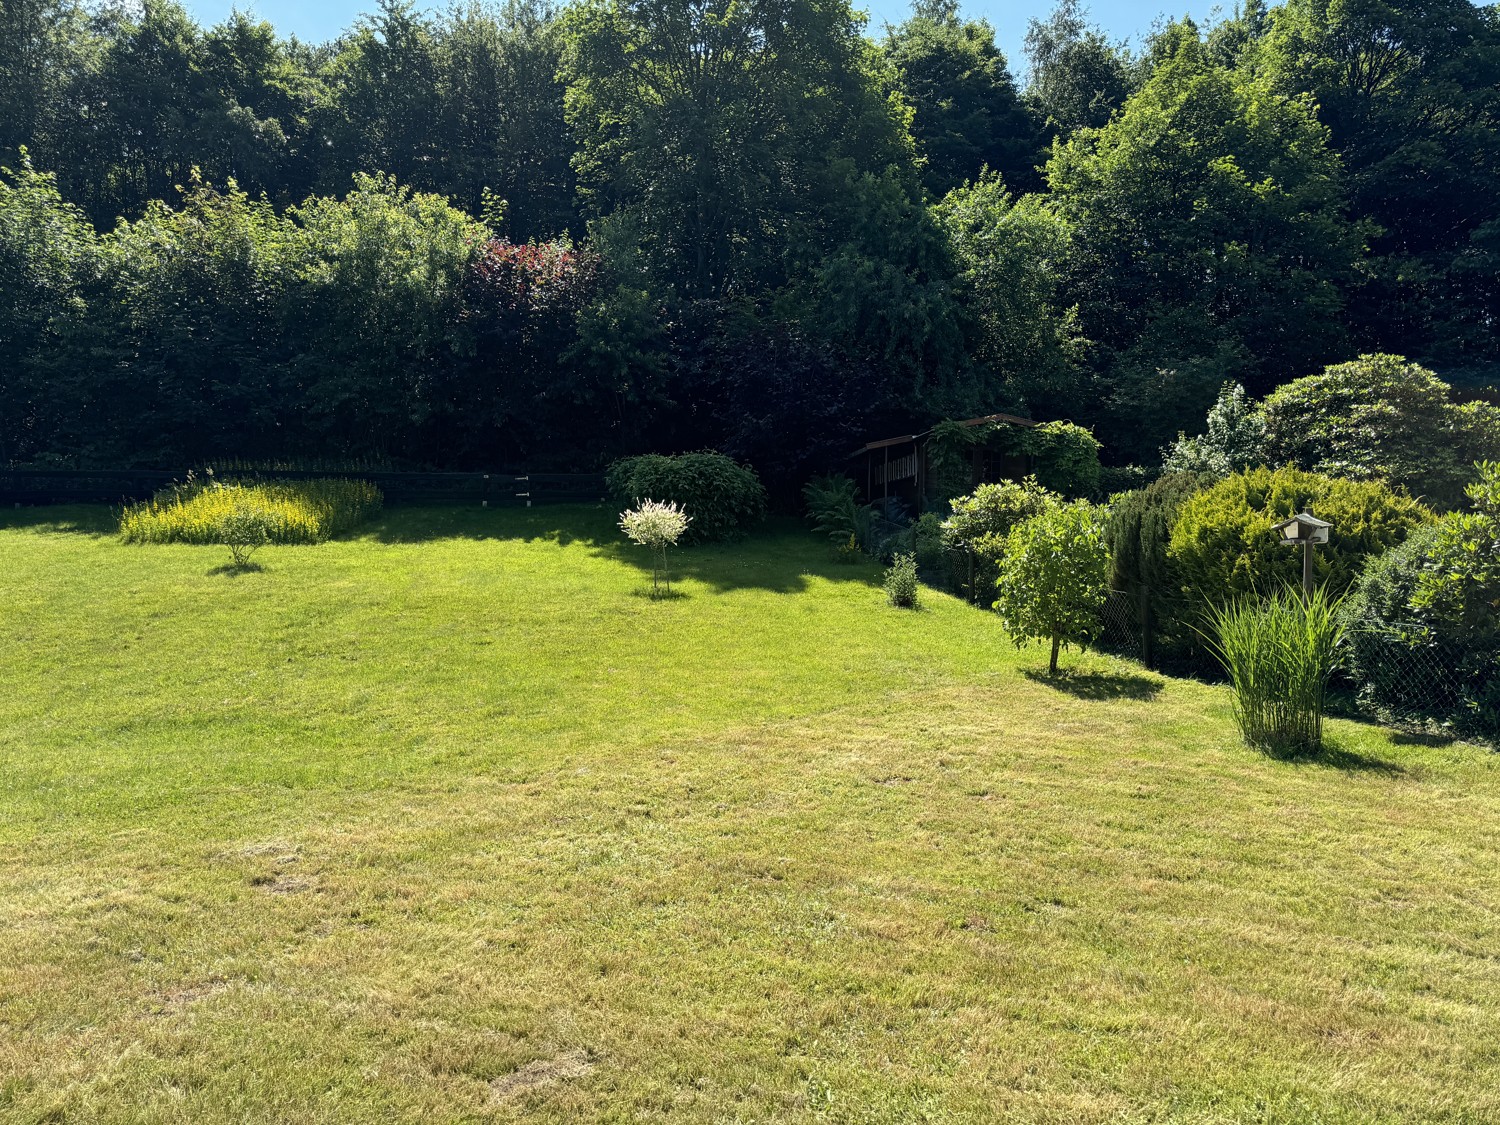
x: 43, y: 46
x: 255, y: 128
x: 1410, y: 93
x: 1011, y: 257
x: 712, y: 128
x: 504, y: 129
x: 48, y: 262
x: 382, y: 112
x: 968, y: 113
x: 1078, y: 78
x: 1210, y: 242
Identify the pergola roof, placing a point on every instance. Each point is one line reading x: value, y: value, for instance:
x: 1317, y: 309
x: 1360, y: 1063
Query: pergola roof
x: 1008, y: 419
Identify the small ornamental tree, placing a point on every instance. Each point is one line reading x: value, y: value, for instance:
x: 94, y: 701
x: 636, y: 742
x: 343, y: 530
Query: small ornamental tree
x: 656, y: 526
x: 1054, y: 576
x: 243, y: 529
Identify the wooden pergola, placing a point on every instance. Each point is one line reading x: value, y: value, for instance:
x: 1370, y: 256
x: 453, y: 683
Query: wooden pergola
x: 897, y: 466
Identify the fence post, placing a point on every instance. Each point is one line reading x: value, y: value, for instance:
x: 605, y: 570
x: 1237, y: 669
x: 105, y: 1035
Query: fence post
x: 1147, y: 655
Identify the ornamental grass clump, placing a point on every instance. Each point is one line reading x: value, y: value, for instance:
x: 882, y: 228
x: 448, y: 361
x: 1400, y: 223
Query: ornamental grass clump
x: 290, y: 512
x: 1279, y: 653
x: 656, y: 526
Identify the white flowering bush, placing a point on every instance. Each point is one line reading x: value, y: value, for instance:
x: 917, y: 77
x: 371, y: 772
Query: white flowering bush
x: 656, y: 526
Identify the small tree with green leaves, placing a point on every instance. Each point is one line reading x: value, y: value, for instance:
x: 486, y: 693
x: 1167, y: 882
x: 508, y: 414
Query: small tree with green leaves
x: 1054, y: 576
x: 656, y: 526
x: 244, y: 530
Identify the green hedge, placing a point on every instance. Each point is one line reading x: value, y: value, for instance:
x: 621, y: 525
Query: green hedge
x: 723, y: 497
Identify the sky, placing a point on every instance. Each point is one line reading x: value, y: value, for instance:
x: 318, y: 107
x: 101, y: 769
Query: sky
x: 314, y: 21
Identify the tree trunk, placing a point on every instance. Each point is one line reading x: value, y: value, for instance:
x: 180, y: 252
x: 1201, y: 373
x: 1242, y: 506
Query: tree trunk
x: 1056, y: 643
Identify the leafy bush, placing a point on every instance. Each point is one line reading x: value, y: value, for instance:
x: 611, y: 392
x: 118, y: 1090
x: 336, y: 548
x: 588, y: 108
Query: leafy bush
x: 1434, y: 603
x: 308, y: 511
x: 1053, y: 577
x: 243, y: 529
x: 834, y: 509
x: 1222, y: 544
x: 1235, y: 438
x: 1461, y: 583
x: 1065, y: 458
x: 1380, y: 416
x: 981, y: 520
x: 656, y: 526
x: 901, y: 582
x: 1279, y: 654
x: 724, y: 496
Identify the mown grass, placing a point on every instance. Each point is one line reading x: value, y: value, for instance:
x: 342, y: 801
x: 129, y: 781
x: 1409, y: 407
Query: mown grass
x: 290, y: 512
x: 453, y: 822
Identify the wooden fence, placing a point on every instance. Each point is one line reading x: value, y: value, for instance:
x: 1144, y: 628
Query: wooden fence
x: 118, y: 486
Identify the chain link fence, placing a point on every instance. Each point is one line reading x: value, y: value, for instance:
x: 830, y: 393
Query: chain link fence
x: 1403, y: 675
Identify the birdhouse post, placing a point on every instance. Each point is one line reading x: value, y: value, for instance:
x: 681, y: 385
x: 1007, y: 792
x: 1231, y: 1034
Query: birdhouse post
x: 1304, y: 530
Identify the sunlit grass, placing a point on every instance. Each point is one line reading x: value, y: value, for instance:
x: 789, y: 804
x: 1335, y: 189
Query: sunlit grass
x: 453, y: 821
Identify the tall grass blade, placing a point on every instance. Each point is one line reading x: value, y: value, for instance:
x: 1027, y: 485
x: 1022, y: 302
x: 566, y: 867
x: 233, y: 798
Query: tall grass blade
x: 1279, y: 653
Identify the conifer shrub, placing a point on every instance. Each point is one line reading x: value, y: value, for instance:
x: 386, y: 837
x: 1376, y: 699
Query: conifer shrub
x: 1138, y: 531
x: 1222, y: 544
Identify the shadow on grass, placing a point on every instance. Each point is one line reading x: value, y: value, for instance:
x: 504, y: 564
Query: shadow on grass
x: 564, y: 524
x: 1335, y: 757
x: 237, y: 570
x: 1423, y: 738
x: 1099, y: 685
x: 651, y: 595
x: 62, y: 519
x: 780, y: 555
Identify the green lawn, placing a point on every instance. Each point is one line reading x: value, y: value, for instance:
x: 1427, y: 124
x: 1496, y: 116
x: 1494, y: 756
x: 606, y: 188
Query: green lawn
x: 448, y: 821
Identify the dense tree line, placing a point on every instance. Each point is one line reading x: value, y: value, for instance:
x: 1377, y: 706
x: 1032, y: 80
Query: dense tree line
x: 542, y: 236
